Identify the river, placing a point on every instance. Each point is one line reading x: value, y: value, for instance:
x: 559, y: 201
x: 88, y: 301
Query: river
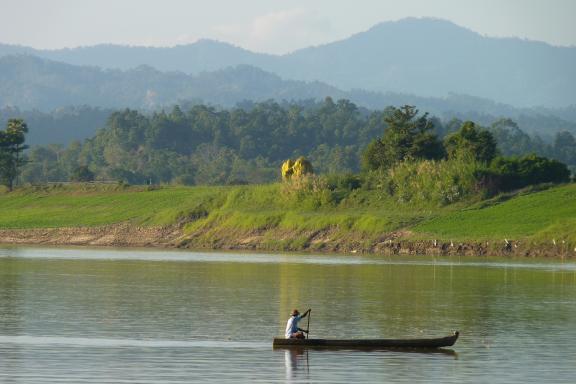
x: 139, y: 316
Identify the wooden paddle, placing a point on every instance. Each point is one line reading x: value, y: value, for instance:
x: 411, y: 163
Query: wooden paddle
x: 308, y: 325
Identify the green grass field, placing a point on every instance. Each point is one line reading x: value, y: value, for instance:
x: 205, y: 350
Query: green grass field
x: 537, y: 215
x: 543, y: 215
x: 100, y: 205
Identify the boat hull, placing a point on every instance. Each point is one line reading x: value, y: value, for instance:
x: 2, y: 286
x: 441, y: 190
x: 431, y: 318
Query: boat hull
x: 447, y: 341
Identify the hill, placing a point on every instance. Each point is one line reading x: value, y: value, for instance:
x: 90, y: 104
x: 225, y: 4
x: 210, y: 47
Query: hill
x: 431, y: 57
x: 203, y: 56
x: 233, y: 218
x: 29, y: 83
x: 427, y: 57
x: 59, y: 126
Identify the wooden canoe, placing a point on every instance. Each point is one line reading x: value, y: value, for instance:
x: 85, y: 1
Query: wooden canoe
x: 447, y: 341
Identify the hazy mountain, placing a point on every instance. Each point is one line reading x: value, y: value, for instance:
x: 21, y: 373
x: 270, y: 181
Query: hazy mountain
x: 433, y: 58
x: 9, y: 49
x: 28, y: 82
x: 31, y: 83
x: 59, y: 126
x: 204, y: 55
x: 426, y: 57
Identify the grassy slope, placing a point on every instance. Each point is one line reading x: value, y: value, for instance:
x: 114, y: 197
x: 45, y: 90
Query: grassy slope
x: 99, y: 205
x: 215, y: 211
x: 544, y: 215
x: 266, y: 207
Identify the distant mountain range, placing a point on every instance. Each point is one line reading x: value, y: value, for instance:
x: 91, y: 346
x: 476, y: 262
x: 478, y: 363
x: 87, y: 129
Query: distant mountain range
x: 426, y: 57
x: 36, y: 89
x: 31, y: 83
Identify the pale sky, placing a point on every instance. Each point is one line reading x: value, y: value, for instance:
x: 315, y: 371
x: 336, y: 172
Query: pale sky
x: 273, y: 26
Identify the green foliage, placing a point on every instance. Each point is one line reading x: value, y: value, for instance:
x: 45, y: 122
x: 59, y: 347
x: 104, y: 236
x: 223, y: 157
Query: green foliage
x: 343, y: 182
x: 124, y: 176
x: 82, y: 174
x: 307, y: 192
x: 205, y: 145
x: 11, y: 148
x: 514, y: 173
x: 375, y: 156
x: 335, y: 159
x: 470, y: 142
x: 429, y: 182
x: 565, y: 147
x: 512, y: 141
x: 211, y: 146
x: 41, y: 165
x: 407, y: 136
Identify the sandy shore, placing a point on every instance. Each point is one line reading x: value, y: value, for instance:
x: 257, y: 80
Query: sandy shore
x: 120, y: 235
x: 125, y: 235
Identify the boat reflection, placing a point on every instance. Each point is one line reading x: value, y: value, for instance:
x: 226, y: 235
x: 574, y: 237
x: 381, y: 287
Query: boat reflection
x: 297, y: 359
x: 301, y: 350
x: 297, y: 362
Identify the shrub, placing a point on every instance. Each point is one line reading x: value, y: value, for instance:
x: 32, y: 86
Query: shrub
x: 432, y: 182
x: 308, y: 192
x: 344, y: 182
x: 82, y: 173
x: 517, y: 172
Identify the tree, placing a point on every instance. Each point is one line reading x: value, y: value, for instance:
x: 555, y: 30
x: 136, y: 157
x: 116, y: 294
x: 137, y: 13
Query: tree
x: 512, y: 141
x: 514, y: 172
x: 565, y: 147
x: 82, y: 173
x: 11, y: 148
x: 42, y: 165
x: 470, y: 142
x: 407, y: 136
x: 212, y: 164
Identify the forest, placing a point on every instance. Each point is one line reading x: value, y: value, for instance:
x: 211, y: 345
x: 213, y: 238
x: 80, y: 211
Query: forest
x: 392, y: 149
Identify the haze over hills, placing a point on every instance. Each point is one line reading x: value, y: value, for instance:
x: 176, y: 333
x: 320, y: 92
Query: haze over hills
x: 31, y: 83
x: 432, y: 64
x: 426, y: 57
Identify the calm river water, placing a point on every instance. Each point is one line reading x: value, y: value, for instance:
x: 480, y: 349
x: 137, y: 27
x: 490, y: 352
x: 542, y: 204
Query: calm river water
x: 132, y: 316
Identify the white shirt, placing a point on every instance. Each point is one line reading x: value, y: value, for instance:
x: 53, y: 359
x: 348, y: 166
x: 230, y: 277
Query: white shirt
x: 292, y: 325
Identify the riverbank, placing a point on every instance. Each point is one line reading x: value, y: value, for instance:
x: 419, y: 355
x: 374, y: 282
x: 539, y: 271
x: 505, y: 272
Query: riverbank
x: 320, y: 242
x: 119, y: 235
x: 534, y: 223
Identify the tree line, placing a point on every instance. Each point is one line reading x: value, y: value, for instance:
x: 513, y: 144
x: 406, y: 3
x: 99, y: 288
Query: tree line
x: 464, y: 162
x: 247, y: 144
x: 11, y: 148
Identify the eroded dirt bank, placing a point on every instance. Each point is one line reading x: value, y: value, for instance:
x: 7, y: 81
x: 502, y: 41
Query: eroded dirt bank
x: 119, y: 235
x: 395, y: 243
x: 329, y: 241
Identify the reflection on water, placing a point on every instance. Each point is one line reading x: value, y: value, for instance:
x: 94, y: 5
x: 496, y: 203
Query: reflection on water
x: 297, y: 363
x: 264, y: 258
x: 76, y: 315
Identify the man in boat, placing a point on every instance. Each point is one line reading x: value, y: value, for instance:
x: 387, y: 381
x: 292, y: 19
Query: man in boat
x: 292, y: 330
